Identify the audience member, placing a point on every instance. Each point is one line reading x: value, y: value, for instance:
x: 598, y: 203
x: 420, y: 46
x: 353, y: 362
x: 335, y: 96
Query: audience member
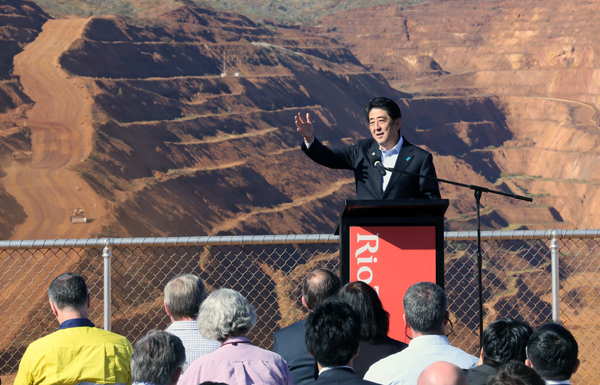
x: 77, y: 352
x: 333, y: 337
x: 515, y: 373
x: 289, y: 342
x: 157, y: 359
x: 375, y: 324
x: 183, y: 296
x: 227, y: 317
x: 442, y: 373
x: 552, y: 351
x: 426, y: 316
x: 503, y: 340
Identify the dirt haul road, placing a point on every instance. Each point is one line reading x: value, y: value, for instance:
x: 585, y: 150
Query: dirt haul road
x: 61, y: 136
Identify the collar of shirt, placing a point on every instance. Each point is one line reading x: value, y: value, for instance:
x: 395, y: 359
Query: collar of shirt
x: 429, y: 340
x: 550, y: 382
x: 335, y: 367
x: 75, y: 323
x: 394, y: 151
x: 233, y: 341
x: 183, y: 325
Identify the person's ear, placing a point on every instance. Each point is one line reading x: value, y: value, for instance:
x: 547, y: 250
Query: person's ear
x: 175, y: 376
x: 304, y: 302
x: 166, y: 308
x: 398, y: 123
x: 446, y: 318
x: 89, y: 300
x: 356, y: 352
x: 54, y: 308
x: 576, y: 365
x: 528, y: 363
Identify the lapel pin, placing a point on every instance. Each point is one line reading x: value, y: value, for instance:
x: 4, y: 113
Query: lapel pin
x: 373, y: 153
x: 407, y: 159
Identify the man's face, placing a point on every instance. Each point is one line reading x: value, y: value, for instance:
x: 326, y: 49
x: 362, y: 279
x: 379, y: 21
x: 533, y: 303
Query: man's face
x: 384, y: 130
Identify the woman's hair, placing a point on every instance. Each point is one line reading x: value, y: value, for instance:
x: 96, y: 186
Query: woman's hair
x: 224, y: 314
x: 363, y: 299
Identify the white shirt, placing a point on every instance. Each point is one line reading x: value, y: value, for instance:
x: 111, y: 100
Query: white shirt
x: 195, y: 345
x: 404, y: 368
x: 388, y: 158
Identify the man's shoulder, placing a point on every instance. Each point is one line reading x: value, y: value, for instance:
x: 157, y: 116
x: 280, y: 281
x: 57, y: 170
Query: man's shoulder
x: 293, y: 328
x: 79, y: 336
x: 415, y: 148
x: 341, y: 376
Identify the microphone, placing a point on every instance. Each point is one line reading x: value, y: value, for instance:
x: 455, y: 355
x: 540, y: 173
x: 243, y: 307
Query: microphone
x: 379, y: 166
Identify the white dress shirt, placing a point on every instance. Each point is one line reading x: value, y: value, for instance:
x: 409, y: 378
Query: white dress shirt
x: 404, y: 368
x: 388, y: 158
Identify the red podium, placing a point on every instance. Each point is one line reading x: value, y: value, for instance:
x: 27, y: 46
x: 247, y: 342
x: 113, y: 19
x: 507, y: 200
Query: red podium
x: 391, y: 244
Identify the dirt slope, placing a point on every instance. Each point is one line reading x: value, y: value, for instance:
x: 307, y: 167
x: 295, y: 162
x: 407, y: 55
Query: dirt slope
x: 46, y: 188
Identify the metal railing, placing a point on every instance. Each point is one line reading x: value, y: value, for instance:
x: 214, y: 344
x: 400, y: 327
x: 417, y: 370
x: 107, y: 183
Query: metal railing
x: 532, y: 275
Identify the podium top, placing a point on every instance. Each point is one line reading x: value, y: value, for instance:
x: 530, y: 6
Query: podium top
x: 383, y: 208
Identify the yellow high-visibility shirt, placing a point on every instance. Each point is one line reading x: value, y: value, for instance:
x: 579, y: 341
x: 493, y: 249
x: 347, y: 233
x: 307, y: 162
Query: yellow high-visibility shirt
x: 76, y: 355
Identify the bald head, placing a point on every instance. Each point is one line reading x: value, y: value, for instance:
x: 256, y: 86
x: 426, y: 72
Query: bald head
x: 442, y: 373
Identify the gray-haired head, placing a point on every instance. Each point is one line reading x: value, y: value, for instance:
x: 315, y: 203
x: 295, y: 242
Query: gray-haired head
x: 156, y: 358
x: 224, y: 314
x: 184, y: 295
x: 425, y: 306
x: 68, y: 290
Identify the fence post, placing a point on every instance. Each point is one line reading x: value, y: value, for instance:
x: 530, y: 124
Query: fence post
x: 107, y: 254
x: 555, y: 275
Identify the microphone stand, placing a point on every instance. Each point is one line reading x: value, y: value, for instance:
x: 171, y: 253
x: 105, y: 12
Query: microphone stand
x: 479, y: 190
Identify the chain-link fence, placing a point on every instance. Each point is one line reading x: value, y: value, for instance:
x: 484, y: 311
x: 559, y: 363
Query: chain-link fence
x: 268, y: 270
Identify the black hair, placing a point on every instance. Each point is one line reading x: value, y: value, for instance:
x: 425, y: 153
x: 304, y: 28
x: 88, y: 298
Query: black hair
x: 363, y: 299
x: 515, y: 373
x: 505, y: 340
x: 386, y: 104
x: 68, y: 290
x: 318, y: 285
x: 332, y: 332
x: 553, y: 351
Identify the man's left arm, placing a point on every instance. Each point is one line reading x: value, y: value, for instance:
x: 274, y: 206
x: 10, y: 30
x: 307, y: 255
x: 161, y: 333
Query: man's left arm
x: 428, y: 189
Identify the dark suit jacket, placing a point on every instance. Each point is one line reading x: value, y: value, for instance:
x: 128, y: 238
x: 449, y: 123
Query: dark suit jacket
x: 360, y: 159
x: 341, y: 376
x: 289, y: 343
x: 374, y: 350
x: 479, y: 375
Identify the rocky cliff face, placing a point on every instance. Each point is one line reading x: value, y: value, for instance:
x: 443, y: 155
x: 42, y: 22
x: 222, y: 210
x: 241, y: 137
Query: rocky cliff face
x: 182, y: 149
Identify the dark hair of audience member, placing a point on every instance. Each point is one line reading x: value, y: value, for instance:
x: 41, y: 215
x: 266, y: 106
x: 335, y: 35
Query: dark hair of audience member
x: 156, y: 357
x: 505, y: 340
x: 363, y: 299
x: 319, y: 284
x: 68, y: 290
x: 425, y: 306
x: 386, y: 104
x: 553, y: 351
x: 332, y: 332
x: 515, y: 373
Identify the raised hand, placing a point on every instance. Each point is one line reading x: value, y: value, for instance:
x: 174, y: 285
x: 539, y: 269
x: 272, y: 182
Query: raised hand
x: 304, y: 127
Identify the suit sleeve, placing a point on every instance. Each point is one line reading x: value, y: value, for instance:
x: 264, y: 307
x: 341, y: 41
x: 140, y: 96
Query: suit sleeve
x: 344, y: 158
x: 428, y: 188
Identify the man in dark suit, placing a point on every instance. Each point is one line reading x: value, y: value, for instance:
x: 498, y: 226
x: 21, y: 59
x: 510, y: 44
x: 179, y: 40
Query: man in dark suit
x: 388, y: 146
x: 503, y: 340
x: 289, y: 342
x: 552, y: 351
x: 332, y: 337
